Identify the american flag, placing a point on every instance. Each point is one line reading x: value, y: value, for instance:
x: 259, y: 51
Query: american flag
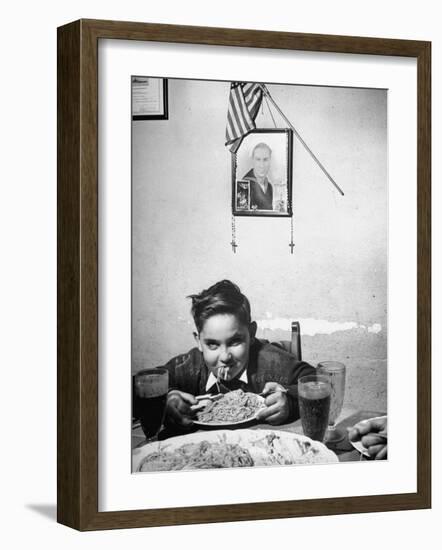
x: 244, y: 102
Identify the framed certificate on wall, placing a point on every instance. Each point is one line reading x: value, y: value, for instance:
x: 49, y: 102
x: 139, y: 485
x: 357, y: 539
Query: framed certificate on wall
x: 149, y: 98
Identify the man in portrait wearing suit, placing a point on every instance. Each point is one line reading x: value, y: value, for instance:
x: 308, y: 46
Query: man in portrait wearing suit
x: 261, y: 191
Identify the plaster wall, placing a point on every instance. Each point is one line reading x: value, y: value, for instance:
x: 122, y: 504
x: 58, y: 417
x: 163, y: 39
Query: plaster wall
x: 335, y: 282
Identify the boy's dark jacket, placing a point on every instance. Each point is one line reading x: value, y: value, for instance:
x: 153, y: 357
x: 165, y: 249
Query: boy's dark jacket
x: 268, y: 362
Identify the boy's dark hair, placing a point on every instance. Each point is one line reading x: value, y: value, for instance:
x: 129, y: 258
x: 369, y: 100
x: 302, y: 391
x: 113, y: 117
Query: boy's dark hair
x: 222, y: 297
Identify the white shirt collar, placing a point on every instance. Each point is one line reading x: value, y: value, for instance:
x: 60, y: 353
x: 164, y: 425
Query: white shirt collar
x: 211, y: 381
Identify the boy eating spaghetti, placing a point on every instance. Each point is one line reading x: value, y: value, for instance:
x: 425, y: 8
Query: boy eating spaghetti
x: 229, y: 357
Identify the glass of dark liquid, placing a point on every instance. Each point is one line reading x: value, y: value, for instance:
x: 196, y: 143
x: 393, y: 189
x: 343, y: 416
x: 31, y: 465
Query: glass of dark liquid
x: 314, y: 393
x: 150, y: 395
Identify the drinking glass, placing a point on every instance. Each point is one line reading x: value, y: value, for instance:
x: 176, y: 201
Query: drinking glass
x: 314, y: 392
x: 336, y: 372
x: 150, y: 394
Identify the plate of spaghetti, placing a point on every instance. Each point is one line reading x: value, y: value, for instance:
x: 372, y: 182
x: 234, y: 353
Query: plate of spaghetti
x: 230, y: 449
x: 234, y: 409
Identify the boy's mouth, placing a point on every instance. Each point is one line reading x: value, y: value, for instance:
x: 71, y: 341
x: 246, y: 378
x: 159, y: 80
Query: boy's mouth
x: 223, y: 372
x: 228, y: 372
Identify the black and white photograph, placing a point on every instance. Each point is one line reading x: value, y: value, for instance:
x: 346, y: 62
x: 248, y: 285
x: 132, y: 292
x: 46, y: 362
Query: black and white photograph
x: 264, y: 160
x: 242, y: 195
x: 259, y: 277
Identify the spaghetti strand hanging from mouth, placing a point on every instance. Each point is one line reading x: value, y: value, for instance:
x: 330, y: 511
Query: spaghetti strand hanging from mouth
x: 217, y: 379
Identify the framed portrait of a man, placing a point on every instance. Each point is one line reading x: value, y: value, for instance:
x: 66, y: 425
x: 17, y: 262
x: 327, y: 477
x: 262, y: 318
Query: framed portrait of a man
x: 262, y: 174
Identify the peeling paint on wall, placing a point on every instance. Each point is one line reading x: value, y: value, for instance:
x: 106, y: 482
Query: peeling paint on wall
x: 375, y: 328
x: 311, y: 327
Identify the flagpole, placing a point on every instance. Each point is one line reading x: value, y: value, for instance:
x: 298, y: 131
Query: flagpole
x: 267, y: 94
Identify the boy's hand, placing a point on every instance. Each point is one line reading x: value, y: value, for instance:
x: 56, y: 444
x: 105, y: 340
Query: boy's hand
x: 178, y: 409
x: 277, y: 405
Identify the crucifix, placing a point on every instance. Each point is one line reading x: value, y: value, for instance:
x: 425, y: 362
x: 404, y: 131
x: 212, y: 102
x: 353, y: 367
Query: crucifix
x: 233, y: 242
x: 291, y: 244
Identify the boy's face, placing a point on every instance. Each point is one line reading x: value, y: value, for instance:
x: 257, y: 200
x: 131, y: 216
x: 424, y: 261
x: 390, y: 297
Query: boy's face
x: 225, y: 343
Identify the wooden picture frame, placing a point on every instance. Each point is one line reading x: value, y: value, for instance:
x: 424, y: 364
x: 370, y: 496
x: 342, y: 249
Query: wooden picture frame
x: 243, y: 183
x: 77, y: 225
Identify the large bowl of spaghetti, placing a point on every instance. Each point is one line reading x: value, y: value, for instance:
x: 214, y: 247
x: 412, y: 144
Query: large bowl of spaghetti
x: 234, y: 409
x: 230, y: 449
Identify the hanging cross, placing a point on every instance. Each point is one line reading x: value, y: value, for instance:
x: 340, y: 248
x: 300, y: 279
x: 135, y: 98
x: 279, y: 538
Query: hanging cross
x: 291, y: 244
x: 234, y: 246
